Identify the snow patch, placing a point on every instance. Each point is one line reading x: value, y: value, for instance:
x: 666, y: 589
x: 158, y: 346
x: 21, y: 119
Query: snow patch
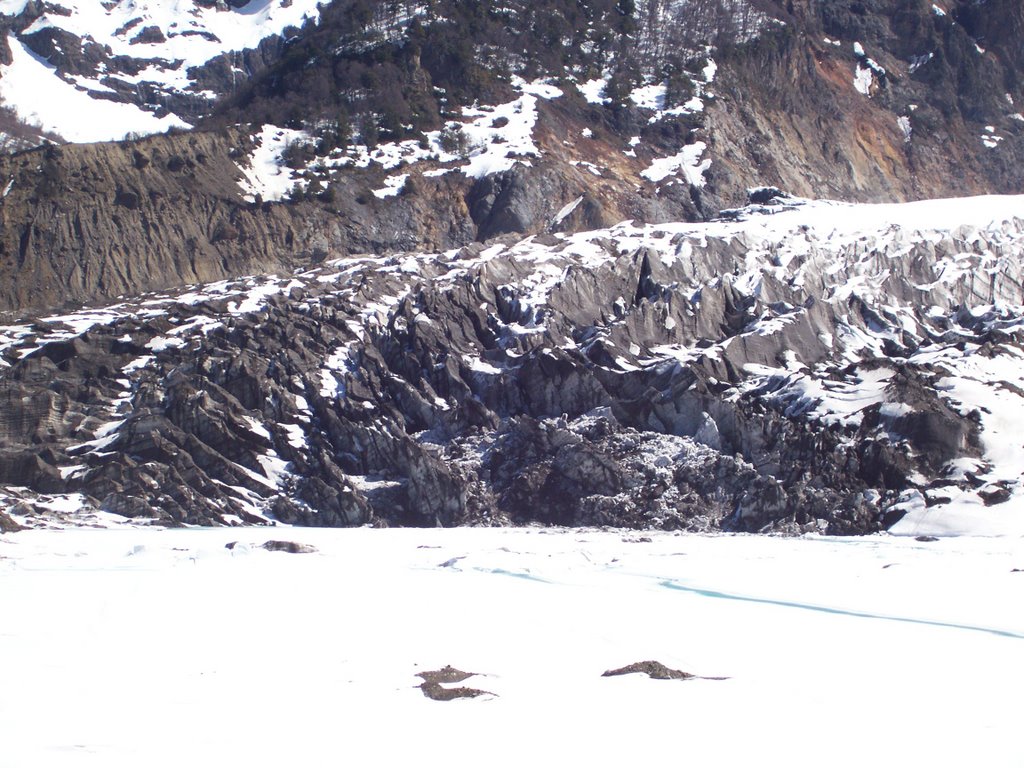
x: 863, y: 79
x: 265, y: 174
x: 593, y: 91
x: 393, y: 186
x: 566, y: 211
x: 688, y: 161
x: 31, y: 87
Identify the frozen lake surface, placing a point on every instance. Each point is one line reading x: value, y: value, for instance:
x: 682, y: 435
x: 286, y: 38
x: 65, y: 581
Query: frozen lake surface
x: 136, y: 647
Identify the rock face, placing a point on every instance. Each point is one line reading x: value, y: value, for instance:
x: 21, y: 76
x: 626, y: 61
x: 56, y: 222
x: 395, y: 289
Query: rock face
x: 653, y: 669
x: 7, y: 525
x: 83, y: 223
x: 88, y: 222
x: 873, y: 101
x: 826, y: 368
x: 91, y: 221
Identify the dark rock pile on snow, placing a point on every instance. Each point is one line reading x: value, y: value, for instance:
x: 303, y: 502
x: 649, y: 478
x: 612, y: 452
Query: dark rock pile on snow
x: 440, y: 684
x: 832, y: 368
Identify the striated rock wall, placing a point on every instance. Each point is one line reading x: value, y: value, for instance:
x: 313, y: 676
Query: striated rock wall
x: 88, y: 222
x: 83, y: 223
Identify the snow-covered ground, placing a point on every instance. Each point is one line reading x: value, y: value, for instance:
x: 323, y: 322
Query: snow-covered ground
x: 192, y: 33
x: 138, y: 647
x: 30, y: 86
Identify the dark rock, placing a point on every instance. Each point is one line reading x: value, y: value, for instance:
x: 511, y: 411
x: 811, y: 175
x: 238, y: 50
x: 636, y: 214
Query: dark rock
x: 149, y: 35
x: 127, y: 199
x: 291, y: 547
x: 447, y: 674
x: 7, y: 525
x: 764, y: 195
x: 438, y: 692
x: 435, y: 682
x: 653, y: 669
x: 997, y: 494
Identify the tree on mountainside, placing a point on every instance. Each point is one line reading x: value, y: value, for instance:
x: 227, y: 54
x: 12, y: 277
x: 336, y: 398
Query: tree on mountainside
x: 398, y: 68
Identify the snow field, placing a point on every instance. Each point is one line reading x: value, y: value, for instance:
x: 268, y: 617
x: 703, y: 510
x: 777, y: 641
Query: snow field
x: 137, y: 647
x: 191, y: 36
x: 31, y: 87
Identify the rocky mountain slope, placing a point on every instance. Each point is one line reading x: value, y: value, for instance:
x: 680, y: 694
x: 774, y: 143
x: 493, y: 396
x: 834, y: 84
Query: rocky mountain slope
x: 827, y: 367
x: 398, y: 126
x: 423, y: 263
x: 87, y: 222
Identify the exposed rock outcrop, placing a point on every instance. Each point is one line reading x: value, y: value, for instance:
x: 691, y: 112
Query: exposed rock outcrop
x: 770, y: 374
x: 83, y: 223
x: 7, y: 525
